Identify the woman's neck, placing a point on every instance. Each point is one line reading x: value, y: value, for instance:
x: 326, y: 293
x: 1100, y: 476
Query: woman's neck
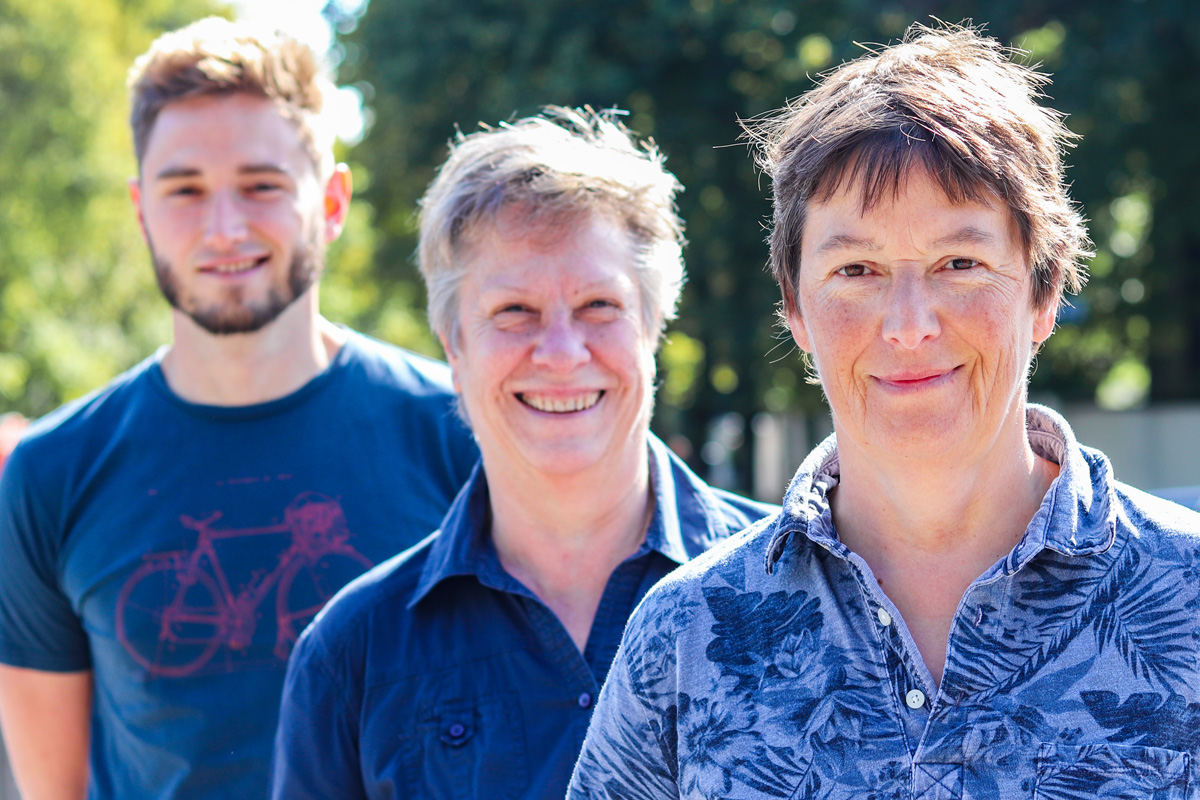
x: 562, y: 536
x: 927, y: 530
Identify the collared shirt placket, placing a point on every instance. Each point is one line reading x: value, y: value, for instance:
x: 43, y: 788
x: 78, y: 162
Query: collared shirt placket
x: 913, y: 693
x: 937, y: 765
x: 584, y: 673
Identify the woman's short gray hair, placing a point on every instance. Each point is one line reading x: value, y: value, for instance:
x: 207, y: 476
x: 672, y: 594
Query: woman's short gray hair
x: 551, y: 169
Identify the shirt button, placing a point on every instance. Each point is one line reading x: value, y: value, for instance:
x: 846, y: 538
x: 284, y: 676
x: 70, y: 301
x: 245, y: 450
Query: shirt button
x: 885, y: 618
x: 915, y: 699
x: 585, y: 700
x: 457, y: 730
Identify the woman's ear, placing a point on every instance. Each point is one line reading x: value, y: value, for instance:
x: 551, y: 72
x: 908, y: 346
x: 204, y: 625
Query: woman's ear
x: 1044, y: 319
x: 795, y: 324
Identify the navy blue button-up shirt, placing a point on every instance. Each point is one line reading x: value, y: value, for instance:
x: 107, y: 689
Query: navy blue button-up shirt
x: 774, y: 666
x: 439, y: 675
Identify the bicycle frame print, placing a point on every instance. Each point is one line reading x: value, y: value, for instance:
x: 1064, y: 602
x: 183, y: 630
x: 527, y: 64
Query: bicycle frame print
x: 186, y: 598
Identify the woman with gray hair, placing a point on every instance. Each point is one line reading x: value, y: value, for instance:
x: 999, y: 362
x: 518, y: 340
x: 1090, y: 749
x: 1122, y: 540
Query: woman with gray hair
x: 468, y: 666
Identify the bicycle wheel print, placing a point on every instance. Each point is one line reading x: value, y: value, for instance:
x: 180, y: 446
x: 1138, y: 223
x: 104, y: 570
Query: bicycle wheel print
x: 305, y: 589
x: 169, y: 626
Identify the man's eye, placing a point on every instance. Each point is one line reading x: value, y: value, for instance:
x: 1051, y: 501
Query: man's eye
x: 853, y: 270
x: 184, y: 191
x: 263, y: 188
x: 962, y: 263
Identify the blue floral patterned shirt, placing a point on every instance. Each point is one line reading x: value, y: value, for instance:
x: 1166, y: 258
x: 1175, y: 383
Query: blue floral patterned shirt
x: 439, y: 675
x: 774, y: 665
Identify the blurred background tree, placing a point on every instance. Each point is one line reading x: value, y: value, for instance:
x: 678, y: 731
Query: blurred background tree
x: 688, y: 70
x: 77, y: 300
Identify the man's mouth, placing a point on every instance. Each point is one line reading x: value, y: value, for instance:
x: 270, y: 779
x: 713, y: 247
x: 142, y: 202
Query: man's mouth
x: 234, y: 267
x: 558, y: 404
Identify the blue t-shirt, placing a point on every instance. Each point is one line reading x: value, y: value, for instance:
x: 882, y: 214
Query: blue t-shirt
x: 439, y: 675
x: 177, y: 550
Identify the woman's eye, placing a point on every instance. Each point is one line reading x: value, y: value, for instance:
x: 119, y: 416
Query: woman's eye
x: 853, y: 270
x: 962, y: 263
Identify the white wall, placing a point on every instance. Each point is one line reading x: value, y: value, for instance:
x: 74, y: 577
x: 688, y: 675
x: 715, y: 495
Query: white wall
x: 1151, y: 448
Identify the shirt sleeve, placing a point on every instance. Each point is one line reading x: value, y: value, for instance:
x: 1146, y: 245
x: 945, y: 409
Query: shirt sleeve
x: 39, y: 627
x: 316, y: 744
x: 627, y: 753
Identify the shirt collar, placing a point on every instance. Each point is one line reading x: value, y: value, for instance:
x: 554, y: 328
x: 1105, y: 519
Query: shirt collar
x: 461, y: 546
x: 686, y: 521
x: 1077, y: 517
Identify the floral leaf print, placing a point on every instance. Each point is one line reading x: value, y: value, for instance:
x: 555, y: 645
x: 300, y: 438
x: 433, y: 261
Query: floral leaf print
x: 754, y: 635
x: 1053, y: 597
x: 850, y: 719
x: 1138, y: 614
x: 622, y: 769
x: 1059, y: 685
x: 1110, y: 772
x: 1146, y: 718
x: 1071, y: 668
x: 1129, y: 606
x: 721, y: 736
x: 650, y: 640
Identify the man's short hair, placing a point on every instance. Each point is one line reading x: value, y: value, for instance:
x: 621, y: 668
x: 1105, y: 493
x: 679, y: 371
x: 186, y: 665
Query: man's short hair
x: 217, y: 57
x: 951, y: 102
x: 551, y: 169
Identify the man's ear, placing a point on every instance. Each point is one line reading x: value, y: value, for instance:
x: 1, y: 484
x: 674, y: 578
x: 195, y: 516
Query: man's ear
x: 135, y: 194
x: 338, y: 189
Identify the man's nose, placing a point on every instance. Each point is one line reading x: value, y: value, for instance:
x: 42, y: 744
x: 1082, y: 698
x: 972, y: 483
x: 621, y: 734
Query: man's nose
x: 226, y: 224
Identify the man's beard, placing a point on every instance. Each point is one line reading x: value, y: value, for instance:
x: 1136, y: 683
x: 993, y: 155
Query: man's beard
x: 235, y: 315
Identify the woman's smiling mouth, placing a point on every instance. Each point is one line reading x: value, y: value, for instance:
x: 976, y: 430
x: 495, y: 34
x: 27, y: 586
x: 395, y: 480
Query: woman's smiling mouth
x: 558, y: 404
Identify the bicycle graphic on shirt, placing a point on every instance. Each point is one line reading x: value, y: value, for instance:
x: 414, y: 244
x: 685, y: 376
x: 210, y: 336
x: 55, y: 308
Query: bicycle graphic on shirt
x: 185, y: 596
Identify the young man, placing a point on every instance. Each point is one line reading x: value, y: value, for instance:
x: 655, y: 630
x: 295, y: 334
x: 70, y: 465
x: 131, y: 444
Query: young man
x: 166, y: 538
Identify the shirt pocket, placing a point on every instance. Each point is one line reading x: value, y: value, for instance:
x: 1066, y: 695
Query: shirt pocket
x: 1109, y: 772
x: 472, y: 747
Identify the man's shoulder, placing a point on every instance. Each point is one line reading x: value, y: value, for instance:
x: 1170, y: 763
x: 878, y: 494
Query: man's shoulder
x: 411, y: 392
x: 391, y: 367
x: 67, y: 429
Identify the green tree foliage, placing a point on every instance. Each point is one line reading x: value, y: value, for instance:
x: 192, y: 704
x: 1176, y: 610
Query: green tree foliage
x: 1124, y: 71
x: 688, y: 70
x: 77, y: 297
x: 77, y: 301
